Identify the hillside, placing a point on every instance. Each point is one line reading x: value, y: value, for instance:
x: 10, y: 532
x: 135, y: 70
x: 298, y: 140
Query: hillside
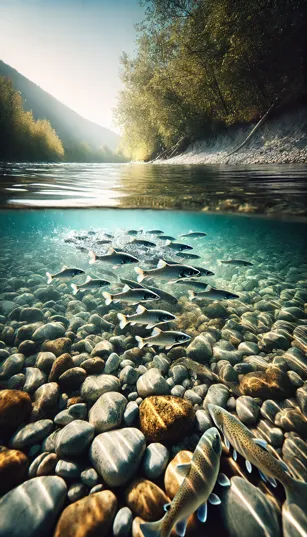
x: 72, y: 128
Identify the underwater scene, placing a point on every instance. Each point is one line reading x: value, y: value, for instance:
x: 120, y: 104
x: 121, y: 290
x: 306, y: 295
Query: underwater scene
x: 153, y: 374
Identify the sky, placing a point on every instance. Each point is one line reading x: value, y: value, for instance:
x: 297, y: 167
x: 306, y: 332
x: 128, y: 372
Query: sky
x: 71, y: 48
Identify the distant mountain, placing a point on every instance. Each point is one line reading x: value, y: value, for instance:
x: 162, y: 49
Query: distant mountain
x: 72, y: 128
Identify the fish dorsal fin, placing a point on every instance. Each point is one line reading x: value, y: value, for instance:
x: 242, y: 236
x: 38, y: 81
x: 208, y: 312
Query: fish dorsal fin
x: 156, y: 331
x: 140, y: 309
x: 88, y: 279
x: 161, y: 263
x: 126, y: 288
x: 111, y: 251
x: 183, y: 469
x: 260, y: 442
x: 191, y: 231
x: 64, y: 267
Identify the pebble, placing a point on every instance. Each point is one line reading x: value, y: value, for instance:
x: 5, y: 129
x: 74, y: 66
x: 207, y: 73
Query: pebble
x: 34, y: 378
x: 76, y: 491
x: 112, y: 363
x: 131, y: 413
x: 61, y: 364
x: 107, y: 412
x: 178, y: 391
x: 89, y: 477
x: 239, y: 501
x: 200, y: 349
x: 218, y: 394
x: 123, y: 523
x: 146, y: 499
x: 155, y: 460
x: 49, y: 331
x: 15, y: 408
x: 202, y: 420
x: 31, y: 509
x: 179, y: 373
x: 74, y: 439
x: 71, y: 380
x: 165, y: 418
x: 115, y: 466
x: 172, y: 478
x: 12, y: 365
x: 88, y: 517
x: 193, y: 397
x: 68, y: 469
x: 74, y: 412
x: 152, y: 383
x: 44, y: 361
x: 96, y: 385
x: 296, y: 361
x: 128, y: 375
x: 45, y: 400
x: 31, y: 434
x: 13, y: 469
x: 292, y: 419
x: 58, y: 346
x: 247, y: 410
x: 271, y: 384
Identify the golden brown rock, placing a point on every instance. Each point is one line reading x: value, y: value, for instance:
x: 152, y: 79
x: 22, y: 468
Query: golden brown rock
x: 58, y: 346
x: 91, y: 516
x: 74, y: 400
x: 137, y: 532
x: 59, y: 366
x: 172, y: 479
x: 164, y: 418
x: 269, y: 384
x: 13, y: 469
x: 146, y: 499
x: 15, y: 408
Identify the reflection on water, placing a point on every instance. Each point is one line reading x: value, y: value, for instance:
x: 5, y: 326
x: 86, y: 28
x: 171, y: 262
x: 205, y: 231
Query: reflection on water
x: 270, y: 189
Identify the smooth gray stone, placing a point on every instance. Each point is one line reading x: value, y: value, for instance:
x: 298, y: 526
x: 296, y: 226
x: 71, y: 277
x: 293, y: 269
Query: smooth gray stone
x: 107, y: 412
x: 202, y: 420
x: 34, y: 379
x: 74, y: 439
x: 247, y: 409
x: 118, y: 466
x: 76, y: 491
x: 89, y: 477
x: 112, y: 363
x: 31, y: 434
x: 200, y: 349
x: 31, y: 509
x: 155, y: 460
x: 131, y: 413
x: 49, y: 331
x: 96, y: 385
x: 12, y: 365
x: 74, y: 412
x: 68, y: 469
x: 218, y: 394
x: 152, y: 383
x: 123, y: 523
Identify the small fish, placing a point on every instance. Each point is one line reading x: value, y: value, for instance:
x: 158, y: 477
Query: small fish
x: 166, y: 238
x: 92, y: 232
x: 197, y: 284
x: 115, y: 258
x: 104, y: 241
x: 166, y: 272
x: 90, y: 283
x: 204, y: 272
x: 64, y: 274
x: 69, y: 241
x: 108, y: 235
x: 166, y: 340
x: 132, y: 284
x: 238, y: 262
x: 132, y: 296
x: 178, y: 246
x: 212, y: 294
x: 194, y: 235
x: 167, y: 297
x: 80, y: 237
x: 188, y: 256
x: 155, y: 232
x: 200, y: 476
x: 143, y: 316
x: 132, y: 232
x: 255, y: 451
x: 142, y: 242
x: 82, y: 248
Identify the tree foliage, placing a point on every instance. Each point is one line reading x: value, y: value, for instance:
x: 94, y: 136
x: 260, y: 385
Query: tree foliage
x: 202, y: 65
x: 21, y: 137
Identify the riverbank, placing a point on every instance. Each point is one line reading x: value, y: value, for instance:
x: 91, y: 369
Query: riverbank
x: 281, y: 140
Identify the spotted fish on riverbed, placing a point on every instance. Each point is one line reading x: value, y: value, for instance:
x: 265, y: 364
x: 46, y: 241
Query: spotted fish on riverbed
x: 65, y: 274
x: 166, y: 340
x: 201, y: 475
x: 255, y: 451
x: 145, y: 317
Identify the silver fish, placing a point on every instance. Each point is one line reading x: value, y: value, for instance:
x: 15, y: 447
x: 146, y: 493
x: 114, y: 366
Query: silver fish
x: 167, y: 297
x: 238, y: 262
x: 132, y: 296
x: 155, y: 232
x: 204, y: 272
x: 255, y: 451
x: 144, y: 316
x: 194, y: 235
x: 200, y: 476
x: 166, y: 340
x: 115, y: 258
x: 187, y: 256
x: 166, y: 238
x: 65, y: 274
x: 103, y: 241
x: 212, y: 294
x: 197, y: 284
x: 178, y: 246
x: 132, y: 232
x: 132, y: 284
x: 90, y: 283
x: 166, y: 272
x: 142, y: 242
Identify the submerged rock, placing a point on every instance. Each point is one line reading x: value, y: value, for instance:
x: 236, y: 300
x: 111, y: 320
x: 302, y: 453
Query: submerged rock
x: 146, y: 499
x: 247, y: 409
x: 96, y: 385
x: 13, y: 469
x: 31, y: 509
x: 165, y: 418
x: 15, y: 408
x: 107, y: 413
x: 155, y: 460
x: 271, y: 384
x: 152, y: 383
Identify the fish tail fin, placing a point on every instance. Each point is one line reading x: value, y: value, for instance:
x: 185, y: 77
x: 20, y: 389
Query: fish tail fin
x: 152, y: 529
x: 140, y: 341
x: 122, y: 320
x: 108, y: 297
x: 74, y: 288
x: 141, y: 274
x: 50, y: 277
x: 191, y: 295
x: 92, y: 257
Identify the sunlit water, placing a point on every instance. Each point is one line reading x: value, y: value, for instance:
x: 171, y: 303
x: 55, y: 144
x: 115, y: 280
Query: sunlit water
x: 269, y: 189
x: 250, y: 333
